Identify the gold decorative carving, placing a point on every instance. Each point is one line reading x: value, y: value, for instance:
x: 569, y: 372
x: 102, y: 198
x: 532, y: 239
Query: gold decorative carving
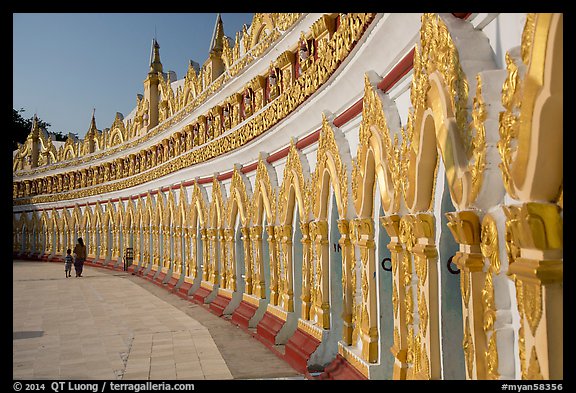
x: 468, y: 347
x: 533, y: 372
x: 489, y: 243
x: 492, y: 358
x: 532, y: 305
x: 328, y: 151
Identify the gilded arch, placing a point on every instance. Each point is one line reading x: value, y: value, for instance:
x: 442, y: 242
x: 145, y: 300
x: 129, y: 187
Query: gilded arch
x: 45, y: 225
x: 532, y: 166
x: 294, y: 187
x: 197, y: 219
x: 216, y: 251
x: 67, y: 230
x: 117, y: 229
x: 157, y: 228
x: 118, y: 132
x: 261, y: 24
x: 239, y: 204
x: 294, y: 191
x: 89, y: 229
x: 330, y: 172
x: 531, y: 144
x: 98, y: 236
x: 171, y: 224
x: 330, y: 168
x: 376, y: 161
x: 264, y: 202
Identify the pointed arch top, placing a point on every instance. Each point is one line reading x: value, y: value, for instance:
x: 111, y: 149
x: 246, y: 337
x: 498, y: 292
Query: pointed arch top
x: 264, y: 191
x: 217, y: 211
x: 240, y: 196
x: 531, y: 134
x: 159, y: 218
x: 334, y: 160
x: 297, y: 177
x: 198, y: 206
x: 378, y: 155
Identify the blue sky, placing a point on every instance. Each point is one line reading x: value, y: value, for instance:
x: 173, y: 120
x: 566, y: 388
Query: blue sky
x: 66, y: 64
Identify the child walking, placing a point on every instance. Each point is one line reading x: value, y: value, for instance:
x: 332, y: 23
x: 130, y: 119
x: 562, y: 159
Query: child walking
x: 68, y: 259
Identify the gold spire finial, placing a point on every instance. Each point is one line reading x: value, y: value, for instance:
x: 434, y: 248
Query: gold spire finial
x: 155, y: 64
x: 217, y: 42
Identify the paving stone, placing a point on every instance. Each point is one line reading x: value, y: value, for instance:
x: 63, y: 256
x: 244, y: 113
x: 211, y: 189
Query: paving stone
x: 110, y: 325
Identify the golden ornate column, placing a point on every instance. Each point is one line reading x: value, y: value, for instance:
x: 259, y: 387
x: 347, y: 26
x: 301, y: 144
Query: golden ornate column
x: 191, y: 252
x: 230, y: 282
x: 155, y: 245
x: 427, y: 362
x: 92, y: 247
x: 247, y: 260
x: 306, y: 296
x: 321, y: 280
x: 490, y: 250
x: 258, y: 284
x: 465, y: 227
x: 115, y: 241
x: 284, y: 236
x: 126, y: 240
x: 205, y: 251
x: 48, y: 240
x: 274, y: 278
x: 166, y: 246
x: 222, y: 257
x: 58, y: 234
x: 103, y: 252
x: 397, y: 254
x: 348, y: 290
x: 178, y: 249
x: 409, y: 287
x: 364, y: 239
x: 537, y: 230
x: 146, y: 242
x: 213, y: 272
x: 136, y: 244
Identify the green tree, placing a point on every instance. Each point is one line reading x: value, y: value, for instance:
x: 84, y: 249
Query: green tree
x: 21, y: 128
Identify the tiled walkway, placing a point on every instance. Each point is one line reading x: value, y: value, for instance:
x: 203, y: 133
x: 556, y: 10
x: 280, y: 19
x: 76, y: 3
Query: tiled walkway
x: 112, y: 325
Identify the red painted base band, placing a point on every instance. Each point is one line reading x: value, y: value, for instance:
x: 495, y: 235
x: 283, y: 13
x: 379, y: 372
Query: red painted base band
x: 183, y: 290
x: 200, y: 295
x: 268, y: 328
x: 158, y: 280
x: 218, y: 305
x: 243, y: 313
x: 340, y: 369
x: 298, y: 350
x: 172, y: 283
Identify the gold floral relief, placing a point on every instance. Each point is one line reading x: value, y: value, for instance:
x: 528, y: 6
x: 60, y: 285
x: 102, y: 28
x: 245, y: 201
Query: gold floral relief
x: 489, y: 243
x: 423, y: 313
x: 492, y: 358
x: 489, y: 306
x: 468, y: 347
x: 533, y: 372
x: 532, y: 295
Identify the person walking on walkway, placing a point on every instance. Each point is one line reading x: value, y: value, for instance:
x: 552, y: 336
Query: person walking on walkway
x: 68, y: 259
x: 80, y: 256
